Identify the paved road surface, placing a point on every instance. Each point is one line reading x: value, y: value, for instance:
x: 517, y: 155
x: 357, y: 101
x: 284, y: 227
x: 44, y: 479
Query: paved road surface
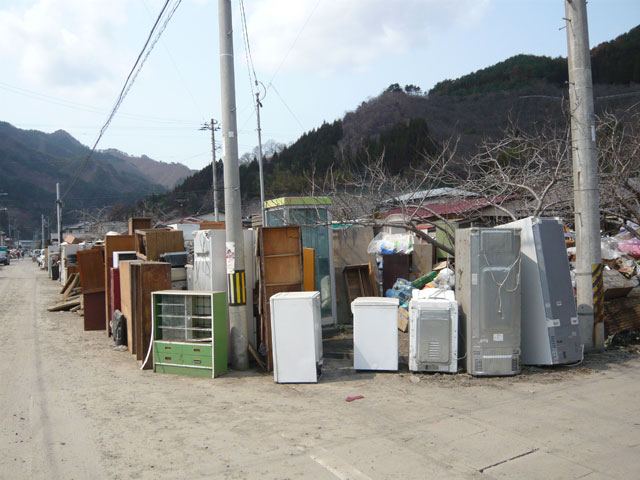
x: 74, y: 408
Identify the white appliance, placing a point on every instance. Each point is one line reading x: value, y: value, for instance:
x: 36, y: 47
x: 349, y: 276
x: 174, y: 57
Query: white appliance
x: 433, y: 331
x: 210, y: 267
x: 488, y: 289
x: 550, y: 330
x: 296, y: 335
x: 123, y: 255
x: 375, y: 333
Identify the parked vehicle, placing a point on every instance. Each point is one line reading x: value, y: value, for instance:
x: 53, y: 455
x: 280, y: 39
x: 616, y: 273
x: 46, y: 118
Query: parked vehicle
x: 4, y: 256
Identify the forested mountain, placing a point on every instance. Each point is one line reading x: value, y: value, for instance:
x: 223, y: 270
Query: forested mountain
x: 32, y: 162
x: 407, y: 124
x: 614, y: 62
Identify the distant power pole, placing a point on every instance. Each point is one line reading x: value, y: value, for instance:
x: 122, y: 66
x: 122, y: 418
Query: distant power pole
x: 236, y: 282
x: 585, y: 178
x: 258, y: 106
x: 59, y: 212
x: 213, y: 126
x: 42, y: 242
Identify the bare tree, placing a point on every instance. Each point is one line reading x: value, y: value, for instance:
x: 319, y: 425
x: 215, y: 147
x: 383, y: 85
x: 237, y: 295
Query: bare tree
x: 522, y: 173
x: 362, y: 195
x: 619, y: 166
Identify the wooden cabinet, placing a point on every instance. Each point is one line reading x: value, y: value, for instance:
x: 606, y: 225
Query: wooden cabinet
x: 113, y: 243
x: 146, y: 277
x: 280, y: 271
x: 91, y: 268
x: 190, y: 332
x: 150, y: 244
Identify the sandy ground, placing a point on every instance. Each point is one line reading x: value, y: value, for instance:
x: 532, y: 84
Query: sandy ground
x: 75, y: 408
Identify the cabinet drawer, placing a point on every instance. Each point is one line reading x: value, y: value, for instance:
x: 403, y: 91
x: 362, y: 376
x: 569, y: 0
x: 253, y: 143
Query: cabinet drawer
x: 161, y: 347
x: 168, y: 357
x: 197, y: 360
x: 196, y: 350
x: 177, y: 370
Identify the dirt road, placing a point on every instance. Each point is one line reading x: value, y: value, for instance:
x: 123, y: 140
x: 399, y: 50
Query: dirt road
x: 74, y: 408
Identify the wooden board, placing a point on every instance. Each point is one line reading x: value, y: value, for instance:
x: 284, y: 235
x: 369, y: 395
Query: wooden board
x: 91, y: 267
x: 150, y: 244
x: 94, y: 311
x: 359, y: 281
x: 280, y: 271
x: 114, y: 297
x: 113, y: 243
x: 151, y: 277
x: 126, y: 300
x: 212, y: 226
x: 309, y: 265
x: 139, y: 224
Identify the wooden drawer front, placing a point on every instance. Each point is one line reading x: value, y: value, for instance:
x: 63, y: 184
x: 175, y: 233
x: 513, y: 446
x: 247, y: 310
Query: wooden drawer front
x: 169, y: 357
x: 197, y: 360
x: 177, y: 370
x: 196, y: 350
x: 160, y: 348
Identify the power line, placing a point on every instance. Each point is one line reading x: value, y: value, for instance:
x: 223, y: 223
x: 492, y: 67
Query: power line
x: 137, y: 66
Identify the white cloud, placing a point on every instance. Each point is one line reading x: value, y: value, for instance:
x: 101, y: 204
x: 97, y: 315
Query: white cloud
x: 348, y: 34
x: 65, y: 46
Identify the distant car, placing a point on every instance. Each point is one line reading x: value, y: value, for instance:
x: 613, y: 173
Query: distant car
x: 4, y: 256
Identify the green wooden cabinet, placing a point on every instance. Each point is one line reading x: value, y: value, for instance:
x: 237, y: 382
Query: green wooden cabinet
x: 189, y: 332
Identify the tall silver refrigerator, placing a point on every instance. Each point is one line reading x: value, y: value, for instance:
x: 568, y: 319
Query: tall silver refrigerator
x: 550, y: 330
x: 488, y: 291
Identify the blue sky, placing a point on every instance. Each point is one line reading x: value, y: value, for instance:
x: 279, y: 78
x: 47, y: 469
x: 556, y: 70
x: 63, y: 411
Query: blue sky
x: 63, y: 62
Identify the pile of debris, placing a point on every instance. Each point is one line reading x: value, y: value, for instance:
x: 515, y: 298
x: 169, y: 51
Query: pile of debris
x: 71, y: 296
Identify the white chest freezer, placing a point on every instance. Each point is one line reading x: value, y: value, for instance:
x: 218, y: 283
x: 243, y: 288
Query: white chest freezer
x: 296, y: 335
x: 433, y: 331
x: 375, y: 333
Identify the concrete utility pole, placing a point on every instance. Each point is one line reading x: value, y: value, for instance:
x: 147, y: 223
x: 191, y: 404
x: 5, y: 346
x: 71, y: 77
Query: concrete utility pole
x: 585, y: 178
x: 59, y: 212
x: 42, y: 242
x: 258, y: 106
x: 236, y: 282
x: 213, y: 126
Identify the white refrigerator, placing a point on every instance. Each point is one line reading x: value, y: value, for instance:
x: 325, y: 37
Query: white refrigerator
x: 296, y: 335
x: 375, y: 333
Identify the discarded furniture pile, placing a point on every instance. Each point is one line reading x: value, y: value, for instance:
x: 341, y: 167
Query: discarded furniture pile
x: 507, y: 301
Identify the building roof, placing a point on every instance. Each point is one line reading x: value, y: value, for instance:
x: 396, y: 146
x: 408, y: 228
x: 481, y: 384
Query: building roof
x: 432, y: 193
x: 456, y: 207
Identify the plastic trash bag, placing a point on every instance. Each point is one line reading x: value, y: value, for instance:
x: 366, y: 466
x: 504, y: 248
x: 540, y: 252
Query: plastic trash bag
x: 630, y: 247
x: 446, y: 278
x: 609, y: 248
x: 389, y: 243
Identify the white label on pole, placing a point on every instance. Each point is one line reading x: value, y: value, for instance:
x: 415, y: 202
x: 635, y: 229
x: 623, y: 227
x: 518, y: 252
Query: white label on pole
x: 593, y: 133
x: 498, y: 337
x: 231, y: 257
x: 474, y: 279
x: 231, y: 134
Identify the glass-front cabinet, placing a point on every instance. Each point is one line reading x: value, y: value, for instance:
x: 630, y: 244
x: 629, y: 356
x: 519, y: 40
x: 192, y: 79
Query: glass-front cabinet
x: 313, y: 216
x: 189, y: 332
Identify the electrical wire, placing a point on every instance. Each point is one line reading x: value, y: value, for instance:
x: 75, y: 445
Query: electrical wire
x: 135, y: 70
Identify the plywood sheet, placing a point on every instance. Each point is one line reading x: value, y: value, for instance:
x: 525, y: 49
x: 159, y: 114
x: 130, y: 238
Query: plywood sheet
x: 91, y: 268
x: 309, y: 266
